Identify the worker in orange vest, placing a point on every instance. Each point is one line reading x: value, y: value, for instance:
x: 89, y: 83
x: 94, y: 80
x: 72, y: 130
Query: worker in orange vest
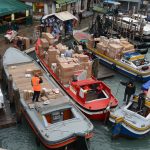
x: 35, y: 82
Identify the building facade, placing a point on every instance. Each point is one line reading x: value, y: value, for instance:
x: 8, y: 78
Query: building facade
x: 130, y: 4
x: 51, y: 6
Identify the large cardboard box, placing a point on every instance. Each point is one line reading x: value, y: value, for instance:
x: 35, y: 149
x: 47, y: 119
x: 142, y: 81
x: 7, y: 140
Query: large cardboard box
x: 83, y: 58
x: 26, y: 42
x: 61, y: 60
x: 127, y: 47
x: 44, y: 43
x: 66, y: 67
x: 53, y: 52
x: 49, y: 38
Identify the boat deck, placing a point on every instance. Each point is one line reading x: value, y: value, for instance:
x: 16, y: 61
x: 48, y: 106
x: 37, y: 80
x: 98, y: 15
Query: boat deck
x: 23, y: 83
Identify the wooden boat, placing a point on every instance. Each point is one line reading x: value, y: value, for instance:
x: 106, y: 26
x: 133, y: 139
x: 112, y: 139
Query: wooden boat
x: 131, y: 121
x: 94, y: 107
x: 120, y: 58
x: 54, y: 119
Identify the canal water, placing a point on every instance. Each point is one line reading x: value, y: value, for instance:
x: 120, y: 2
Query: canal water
x: 21, y: 137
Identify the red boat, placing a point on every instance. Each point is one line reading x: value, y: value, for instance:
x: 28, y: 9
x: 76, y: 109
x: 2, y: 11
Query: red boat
x: 92, y: 97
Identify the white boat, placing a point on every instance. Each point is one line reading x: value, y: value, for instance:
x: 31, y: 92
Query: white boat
x: 131, y: 121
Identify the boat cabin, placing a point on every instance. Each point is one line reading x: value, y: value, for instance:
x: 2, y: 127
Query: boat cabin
x: 58, y: 116
x: 89, y: 90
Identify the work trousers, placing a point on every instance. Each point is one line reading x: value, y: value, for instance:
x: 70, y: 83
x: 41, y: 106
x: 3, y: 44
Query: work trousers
x: 127, y: 98
x: 36, y: 95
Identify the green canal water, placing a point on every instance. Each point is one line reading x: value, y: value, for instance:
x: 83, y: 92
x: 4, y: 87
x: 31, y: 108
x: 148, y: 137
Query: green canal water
x: 21, y: 136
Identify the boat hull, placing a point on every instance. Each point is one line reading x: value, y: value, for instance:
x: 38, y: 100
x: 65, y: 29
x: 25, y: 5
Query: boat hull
x: 121, y: 130
x: 47, y: 145
x: 123, y: 71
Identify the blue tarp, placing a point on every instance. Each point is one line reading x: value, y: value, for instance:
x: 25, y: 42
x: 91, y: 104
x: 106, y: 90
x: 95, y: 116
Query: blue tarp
x: 131, y: 54
x: 146, y: 85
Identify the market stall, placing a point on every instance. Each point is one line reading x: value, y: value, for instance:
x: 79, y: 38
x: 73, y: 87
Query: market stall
x: 59, y: 24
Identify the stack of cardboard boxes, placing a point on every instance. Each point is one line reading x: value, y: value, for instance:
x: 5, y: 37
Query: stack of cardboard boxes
x: 66, y: 67
x: 113, y: 48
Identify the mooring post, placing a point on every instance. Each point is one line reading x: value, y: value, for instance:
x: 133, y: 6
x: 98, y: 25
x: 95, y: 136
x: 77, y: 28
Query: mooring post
x: 0, y: 67
x: 17, y: 105
x: 10, y: 89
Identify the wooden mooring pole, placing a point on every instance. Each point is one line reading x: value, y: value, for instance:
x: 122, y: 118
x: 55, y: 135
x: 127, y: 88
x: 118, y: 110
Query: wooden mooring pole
x: 10, y: 89
x: 17, y: 105
x: 1, y: 64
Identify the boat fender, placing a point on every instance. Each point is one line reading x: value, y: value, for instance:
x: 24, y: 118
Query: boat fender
x: 145, y: 68
x: 119, y: 119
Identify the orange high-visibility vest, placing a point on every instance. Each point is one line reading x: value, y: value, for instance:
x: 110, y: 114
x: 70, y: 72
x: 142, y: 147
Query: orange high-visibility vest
x: 35, y: 84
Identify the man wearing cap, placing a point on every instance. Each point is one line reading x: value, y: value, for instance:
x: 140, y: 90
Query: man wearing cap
x: 129, y: 90
x: 35, y: 82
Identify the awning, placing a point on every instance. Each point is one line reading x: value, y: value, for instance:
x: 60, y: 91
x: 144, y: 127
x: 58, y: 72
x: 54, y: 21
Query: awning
x: 12, y: 6
x: 99, y: 9
x: 63, y: 16
x: 64, y: 2
x: 111, y: 2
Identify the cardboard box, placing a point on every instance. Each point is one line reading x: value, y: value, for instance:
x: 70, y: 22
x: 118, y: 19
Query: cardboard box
x: 83, y: 58
x: 66, y: 67
x: 26, y: 42
x: 49, y: 37
x: 44, y: 43
x: 29, y: 71
x: 44, y: 98
x: 53, y: 52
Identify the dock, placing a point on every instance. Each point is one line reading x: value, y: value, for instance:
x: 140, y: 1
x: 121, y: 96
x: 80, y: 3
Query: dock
x: 7, y: 118
x: 104, y: 72
x: 100, y: 71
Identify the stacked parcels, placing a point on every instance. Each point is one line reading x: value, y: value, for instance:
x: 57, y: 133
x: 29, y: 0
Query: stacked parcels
x: 68, y: 67
x: 47, y: 94
x: 114, y: 48
x: 66, y: 72
x: 27, y: 94
x: 44, y: 43
x: 49, y: 37
x: 52, y: 54
x: 127, y: 47
x: 102, y: 45
x: 85, y: 64
x: 62, y: 48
